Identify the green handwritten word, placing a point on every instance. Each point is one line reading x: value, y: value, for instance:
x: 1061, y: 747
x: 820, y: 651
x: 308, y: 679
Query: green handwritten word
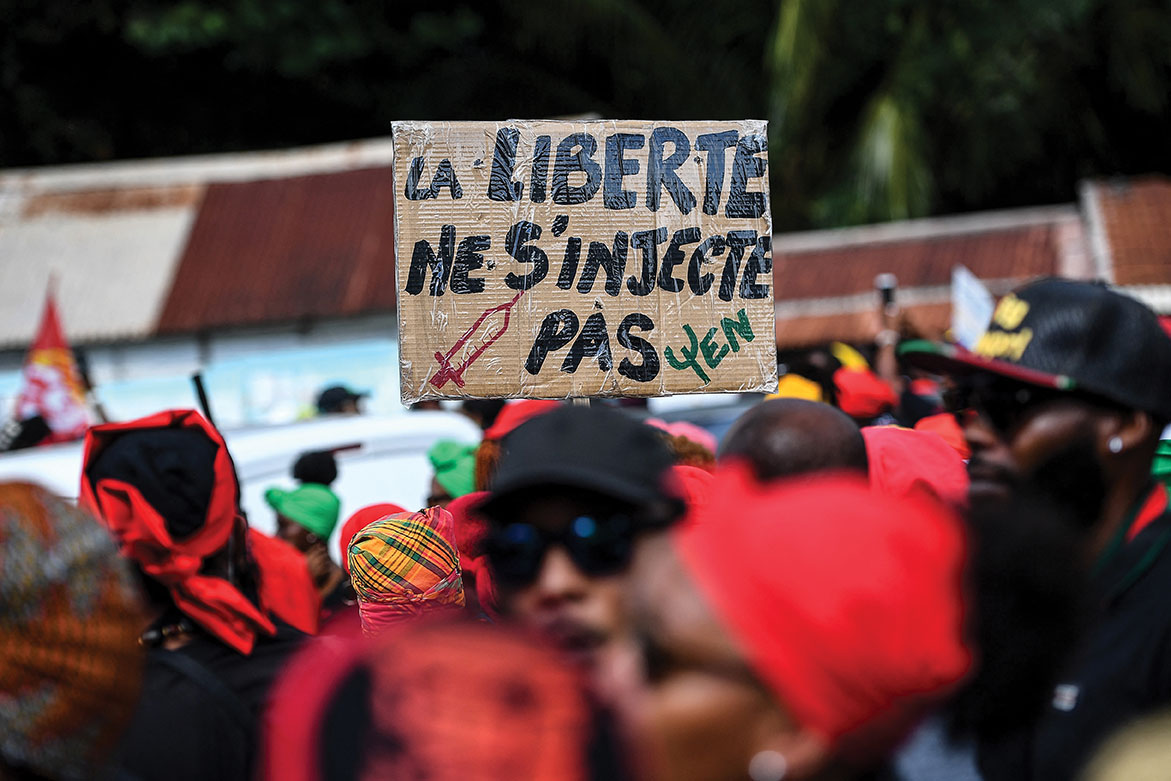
x: 712, y: 352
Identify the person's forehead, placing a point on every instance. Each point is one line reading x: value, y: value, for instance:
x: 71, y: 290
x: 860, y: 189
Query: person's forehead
x: 554, y: 506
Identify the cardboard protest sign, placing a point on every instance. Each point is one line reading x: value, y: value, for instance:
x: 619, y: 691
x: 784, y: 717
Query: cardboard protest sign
x: 543, y: 259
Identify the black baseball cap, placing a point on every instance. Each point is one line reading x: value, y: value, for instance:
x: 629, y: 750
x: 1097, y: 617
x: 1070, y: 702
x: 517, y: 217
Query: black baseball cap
x: 334, y: 397
x: 593, y: 448
x: 1068, y: 335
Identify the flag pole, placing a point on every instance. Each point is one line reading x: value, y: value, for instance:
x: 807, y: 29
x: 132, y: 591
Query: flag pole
x: 87, y: 385
x: 201, y: 394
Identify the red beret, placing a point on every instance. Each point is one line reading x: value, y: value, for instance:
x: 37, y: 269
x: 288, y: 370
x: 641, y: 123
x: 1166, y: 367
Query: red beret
x: 518, y: 412
x: 848, y: 603
x: 862, y: 393
x: 903, y: 462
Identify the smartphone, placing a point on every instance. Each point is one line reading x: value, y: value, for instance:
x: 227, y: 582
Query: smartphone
x: 886, y: 284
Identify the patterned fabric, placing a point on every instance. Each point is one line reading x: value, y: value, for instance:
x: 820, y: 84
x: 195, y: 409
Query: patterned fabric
x: 70, y: 615
x: 404, y: 565
x: 440, y: 700
x: 358, y: 521
x: 473, y: 701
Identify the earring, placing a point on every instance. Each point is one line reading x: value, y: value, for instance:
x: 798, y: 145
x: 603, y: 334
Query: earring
x: 1115, y: 444
x: 768, y: 766
x: 311, y: 538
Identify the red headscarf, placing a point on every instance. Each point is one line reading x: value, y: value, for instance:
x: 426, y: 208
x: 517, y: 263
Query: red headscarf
x: 358, y: 521
x: 471, y: 532
x: 904, y: 462
x: 142, y: 534
x: 862, y: 393
x: 848, y: 603
x: 944, y: 424
x: 286, y: 587
x: 458, y: 700
x: 517, y: 412
x: 693, y: 484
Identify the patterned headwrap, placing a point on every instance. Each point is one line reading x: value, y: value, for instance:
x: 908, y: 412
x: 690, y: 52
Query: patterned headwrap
x: 441, y: 700
x: 165, y: 487
x: 404, y: 565
x: 70, y: 615
x: 358, y: 521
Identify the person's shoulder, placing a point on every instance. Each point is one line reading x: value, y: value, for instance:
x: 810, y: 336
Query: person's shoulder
x: 178, y: 717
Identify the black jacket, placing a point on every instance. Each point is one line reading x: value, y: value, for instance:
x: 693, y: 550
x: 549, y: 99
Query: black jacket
x: 200, y: 710
x: 1121, y: 669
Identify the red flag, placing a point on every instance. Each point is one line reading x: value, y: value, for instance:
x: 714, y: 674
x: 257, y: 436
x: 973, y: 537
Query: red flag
x: 52, y: 384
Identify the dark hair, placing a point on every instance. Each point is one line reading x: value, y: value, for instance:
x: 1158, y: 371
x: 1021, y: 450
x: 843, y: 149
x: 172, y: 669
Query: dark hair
x: 315, y: 466
x: 485, y: 411
x: 787, y: 437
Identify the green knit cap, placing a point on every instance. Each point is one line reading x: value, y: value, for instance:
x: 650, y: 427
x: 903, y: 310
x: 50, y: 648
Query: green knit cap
x: 455, y: 466
x: 312, y: 505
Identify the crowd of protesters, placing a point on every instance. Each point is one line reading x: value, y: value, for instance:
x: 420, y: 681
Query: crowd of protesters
x: 952, y: 565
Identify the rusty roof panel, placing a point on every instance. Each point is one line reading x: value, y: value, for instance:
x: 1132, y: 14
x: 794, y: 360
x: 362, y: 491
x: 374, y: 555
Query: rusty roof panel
x: 112, y: 201
x: 285, y: 250
x: 1136, y: 214
x: 857, y: 327
x: 1013, y: 253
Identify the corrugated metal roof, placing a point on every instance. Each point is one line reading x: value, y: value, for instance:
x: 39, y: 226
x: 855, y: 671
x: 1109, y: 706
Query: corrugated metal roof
x: 931, y: 320
x: 1136, y: 222
x: 1020, y: 252
x: 287, y: 249
x: 114, y: 233
x: 113, y: 265
x: 826, y: 292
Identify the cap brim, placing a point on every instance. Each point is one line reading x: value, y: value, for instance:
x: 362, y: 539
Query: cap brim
x: 954, y: 360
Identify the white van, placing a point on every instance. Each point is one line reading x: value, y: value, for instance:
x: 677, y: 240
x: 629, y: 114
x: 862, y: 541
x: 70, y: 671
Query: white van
x: 380, y: 459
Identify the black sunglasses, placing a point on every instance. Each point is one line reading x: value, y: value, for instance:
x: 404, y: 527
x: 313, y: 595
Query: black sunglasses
x: 597, y: 546
x: 1003, y: 404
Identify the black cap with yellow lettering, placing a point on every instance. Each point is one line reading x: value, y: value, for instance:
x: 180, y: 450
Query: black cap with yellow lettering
x: 1069, y: 335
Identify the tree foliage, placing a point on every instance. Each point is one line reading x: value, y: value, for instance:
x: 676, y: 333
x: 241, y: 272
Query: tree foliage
x: 904, y: 108
x: 879, y: 110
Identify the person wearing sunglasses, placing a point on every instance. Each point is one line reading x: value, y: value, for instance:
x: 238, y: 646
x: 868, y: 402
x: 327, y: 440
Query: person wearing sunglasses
x: 574, y: 489
x: 1065, y: 397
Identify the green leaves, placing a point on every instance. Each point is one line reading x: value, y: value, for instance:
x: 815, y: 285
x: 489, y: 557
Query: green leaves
x: 879, y: 110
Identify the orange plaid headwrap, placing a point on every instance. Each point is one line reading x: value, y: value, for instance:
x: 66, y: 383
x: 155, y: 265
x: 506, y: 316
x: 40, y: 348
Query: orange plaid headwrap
x: 404, y: 565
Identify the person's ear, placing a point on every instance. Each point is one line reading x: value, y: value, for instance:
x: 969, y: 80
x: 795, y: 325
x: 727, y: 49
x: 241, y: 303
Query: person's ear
x: 1124, y: 431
